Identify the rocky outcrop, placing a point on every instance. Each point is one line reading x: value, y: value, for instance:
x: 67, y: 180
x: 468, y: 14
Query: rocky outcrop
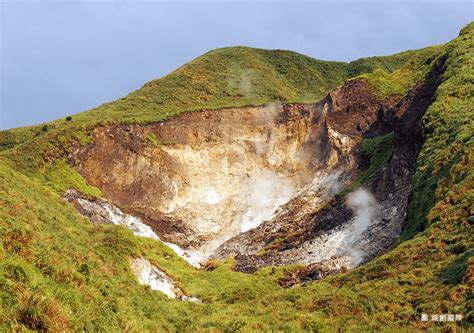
x: 310, y: 272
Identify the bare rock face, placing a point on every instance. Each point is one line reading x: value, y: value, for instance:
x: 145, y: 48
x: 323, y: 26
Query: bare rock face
x: 315, y: 271
x: 207, y: 176
x: 259, y: 183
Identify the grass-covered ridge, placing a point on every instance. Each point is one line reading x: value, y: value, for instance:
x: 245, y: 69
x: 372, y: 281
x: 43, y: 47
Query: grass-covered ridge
x: 239, y: 76
x: 443, y: 188
x: 58, y: 272
x: 401, y: 80
x: 378, y: 151
x: 227, y: 77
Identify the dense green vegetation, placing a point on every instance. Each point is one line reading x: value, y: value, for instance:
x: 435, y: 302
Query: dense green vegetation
x: 400, y: 81
x: 59, y: 272
x: 378, y: 151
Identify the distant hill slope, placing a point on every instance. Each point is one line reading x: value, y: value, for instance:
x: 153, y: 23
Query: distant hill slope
x: 60, y: 273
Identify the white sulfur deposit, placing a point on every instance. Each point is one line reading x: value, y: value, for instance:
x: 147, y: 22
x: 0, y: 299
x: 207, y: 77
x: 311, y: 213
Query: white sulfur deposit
x: 116, y: 216
x: 220, y: 205
x: 190, y: 257
x: 151, y: 276
x: 105, y: 212
x: 262, y: 194
x: 210, y: 196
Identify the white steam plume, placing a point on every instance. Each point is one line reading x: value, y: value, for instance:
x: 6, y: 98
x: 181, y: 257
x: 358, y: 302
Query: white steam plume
x: 263, y: 192
x: 363, y: 204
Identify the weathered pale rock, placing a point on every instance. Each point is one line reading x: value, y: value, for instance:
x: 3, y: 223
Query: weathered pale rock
x: 156, y: 279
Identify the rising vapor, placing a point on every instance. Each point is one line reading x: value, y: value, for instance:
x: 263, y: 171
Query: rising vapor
x: 363, y: 204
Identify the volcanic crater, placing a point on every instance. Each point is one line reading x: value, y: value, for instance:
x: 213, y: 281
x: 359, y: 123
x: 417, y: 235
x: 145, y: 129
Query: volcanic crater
x: 267, y: 184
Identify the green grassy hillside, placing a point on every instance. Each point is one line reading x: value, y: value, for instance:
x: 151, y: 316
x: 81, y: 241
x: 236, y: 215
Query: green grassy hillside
x: 59, y: 272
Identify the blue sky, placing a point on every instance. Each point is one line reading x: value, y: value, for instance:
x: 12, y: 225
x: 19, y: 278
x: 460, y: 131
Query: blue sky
x: 63, y: 57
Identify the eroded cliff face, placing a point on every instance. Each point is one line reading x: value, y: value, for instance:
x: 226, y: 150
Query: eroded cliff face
x: 207, y: 176
x: 256, y: 182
